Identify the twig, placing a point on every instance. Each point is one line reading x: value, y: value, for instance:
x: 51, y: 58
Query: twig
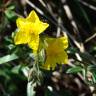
x: 88, y: 5
x: 58, y: 28
x: 32, y: 5
x: 90, y: 38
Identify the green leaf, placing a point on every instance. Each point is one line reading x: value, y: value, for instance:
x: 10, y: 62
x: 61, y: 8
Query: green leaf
x: 10, y: 14
x: 74, y: 69
x: 41, y: 57
x: 25, y: 71
x: 11, y: 7
x: 16, y: 69
x: 4, y: 74
x: 30, y: 88
x: 92, y: 68
x: 8, y: 58
x: 94, y: 77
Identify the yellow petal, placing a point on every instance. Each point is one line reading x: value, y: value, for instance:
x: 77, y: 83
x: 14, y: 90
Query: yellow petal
x: 24, y: 25
x: 42, y: 27
x: 49, y: 41
x: 20, y: 22
x: 32, y: 17
x: 38, y: 26
x: 62, y: 58
x: 63, y: 42
x: 21, y: 38
x: 34, y: 42
x: 49, y: 63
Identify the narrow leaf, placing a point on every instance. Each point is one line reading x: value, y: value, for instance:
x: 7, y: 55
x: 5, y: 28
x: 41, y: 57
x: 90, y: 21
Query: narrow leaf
x: 30, y: 89
x: 8, y: 58
x: 74, y: 70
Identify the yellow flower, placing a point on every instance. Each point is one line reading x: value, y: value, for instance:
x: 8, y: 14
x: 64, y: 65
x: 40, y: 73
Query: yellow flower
x: 29, y: 29
x: 55, y: 52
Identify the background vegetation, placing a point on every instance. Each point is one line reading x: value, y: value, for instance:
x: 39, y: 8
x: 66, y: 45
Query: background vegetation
x: 77, y: 19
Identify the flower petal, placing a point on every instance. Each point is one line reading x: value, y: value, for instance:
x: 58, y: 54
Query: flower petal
x: 39, y: 27
x: 24, y: 25
x: 20, y: 22
x: 42, y: 27
x: 34, y: 43
x: 32, y: 17
x: 50, y: 63
x: 62, y: 58
x: 63, y: 42
x: 21, y: 38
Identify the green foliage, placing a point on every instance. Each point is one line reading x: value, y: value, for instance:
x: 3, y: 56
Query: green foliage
x: 8, y: 58
x: 16, y: 62
x: 74, y: 69
x: 10, y: 14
